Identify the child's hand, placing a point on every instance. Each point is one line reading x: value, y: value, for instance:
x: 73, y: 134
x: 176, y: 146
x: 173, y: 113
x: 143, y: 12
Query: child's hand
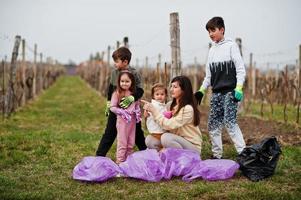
x: 148, y: 106
x: 238, y: 93
x: 126, y: 101
x: 145, y: 114
x: 107, y: 109
x: 167, y: 114
x: 199, y: 95
x: 124, y: 114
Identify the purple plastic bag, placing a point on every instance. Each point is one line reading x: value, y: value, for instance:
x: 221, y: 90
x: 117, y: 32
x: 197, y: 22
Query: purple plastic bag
x: 96, y: 169
x: 178, y: 162
x: 218, y: 169
x: 145, y: 165
x: 149, y: 165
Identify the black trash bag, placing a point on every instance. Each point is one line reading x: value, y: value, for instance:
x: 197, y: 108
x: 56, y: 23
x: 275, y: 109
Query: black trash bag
x: 259, y: 160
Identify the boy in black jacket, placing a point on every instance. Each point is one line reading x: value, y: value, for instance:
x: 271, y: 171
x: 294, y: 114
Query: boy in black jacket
x: 122, y: 58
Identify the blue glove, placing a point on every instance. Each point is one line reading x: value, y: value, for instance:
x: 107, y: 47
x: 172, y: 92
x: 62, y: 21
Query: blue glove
x: 126, y: 101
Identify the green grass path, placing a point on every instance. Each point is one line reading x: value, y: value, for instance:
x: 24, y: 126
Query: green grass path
x: 41, y: 144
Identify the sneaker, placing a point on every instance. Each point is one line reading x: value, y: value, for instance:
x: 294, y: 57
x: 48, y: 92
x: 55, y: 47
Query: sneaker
x: 119, y: 175
x: 214, y: 157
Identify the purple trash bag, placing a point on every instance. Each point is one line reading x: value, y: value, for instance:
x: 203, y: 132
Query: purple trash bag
x: 96, y: 169
x: 145, y: 165
x: 178, y: 162
x: 212, y: 170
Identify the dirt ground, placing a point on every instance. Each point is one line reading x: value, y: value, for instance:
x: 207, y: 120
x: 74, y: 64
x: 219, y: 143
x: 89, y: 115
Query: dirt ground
x: 254, y: 130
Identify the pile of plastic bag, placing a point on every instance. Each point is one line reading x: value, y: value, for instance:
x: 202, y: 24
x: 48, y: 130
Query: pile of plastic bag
x: 153, y: 166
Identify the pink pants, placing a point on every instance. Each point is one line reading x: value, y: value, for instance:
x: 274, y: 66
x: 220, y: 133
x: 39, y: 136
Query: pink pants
x: 125, y: 138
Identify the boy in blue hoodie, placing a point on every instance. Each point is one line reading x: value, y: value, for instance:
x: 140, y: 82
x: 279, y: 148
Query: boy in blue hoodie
x: 225, y: 73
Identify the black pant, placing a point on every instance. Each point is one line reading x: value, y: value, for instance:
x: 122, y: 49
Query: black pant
x: 110, y: 134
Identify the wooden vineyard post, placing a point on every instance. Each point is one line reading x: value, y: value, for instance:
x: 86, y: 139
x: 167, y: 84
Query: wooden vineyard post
x: 285, y: 95
x: 34, y: 80
x: 175, y: 45
x: 137, y: 63
x: 165, y: 75
x: 23, y: 72
x: 3, y: 89
x: 254, y: 80
x: 109, y: 55
x: 299, y: 87
x: 250, y: 78
x: 300, y: 67
x: 107, y: 69
x: 103, y: 78
x: 238, y: 42
x: 159, y: 69
x: 10, y: 107
x: 146, y: 63
x: 194, y: 74
x: 126, y: 42
x: 145, y: 74
x: 102, y: 55
x: 158, y: 73
x: 241, y: 103
x: 41, y: 74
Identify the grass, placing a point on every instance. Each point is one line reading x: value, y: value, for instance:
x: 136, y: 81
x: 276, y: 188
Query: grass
x: 42, y: 142
x: 277, y: 115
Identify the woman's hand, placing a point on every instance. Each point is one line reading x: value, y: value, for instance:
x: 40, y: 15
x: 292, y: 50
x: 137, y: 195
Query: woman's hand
x: 145, y: 114
x: 148, y: 106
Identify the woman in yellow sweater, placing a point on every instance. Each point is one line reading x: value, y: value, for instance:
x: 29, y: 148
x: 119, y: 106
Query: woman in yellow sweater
x: 182, y: 129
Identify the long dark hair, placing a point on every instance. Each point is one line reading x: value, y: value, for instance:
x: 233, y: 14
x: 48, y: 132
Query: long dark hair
x: 187, y: 98
x: 133, y: 85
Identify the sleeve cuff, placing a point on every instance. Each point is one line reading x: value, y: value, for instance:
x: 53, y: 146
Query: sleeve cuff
x: 202, y: 89
x: 239, y: 87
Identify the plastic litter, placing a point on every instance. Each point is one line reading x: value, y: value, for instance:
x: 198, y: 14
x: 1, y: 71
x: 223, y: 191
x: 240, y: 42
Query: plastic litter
x: 145, y: 165
x: 96, y: 169
x: 212, y: 170
x: 259, y: 161
x: 150, y: 165
x: 178, y: 162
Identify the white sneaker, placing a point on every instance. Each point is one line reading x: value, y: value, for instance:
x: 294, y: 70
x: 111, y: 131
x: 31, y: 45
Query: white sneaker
x: 119, y: 175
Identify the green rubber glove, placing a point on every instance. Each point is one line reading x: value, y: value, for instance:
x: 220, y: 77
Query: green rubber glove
x: 126, y: 101
x: 238, y: 93
x: 107, y: 109
x: 199, y: 95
